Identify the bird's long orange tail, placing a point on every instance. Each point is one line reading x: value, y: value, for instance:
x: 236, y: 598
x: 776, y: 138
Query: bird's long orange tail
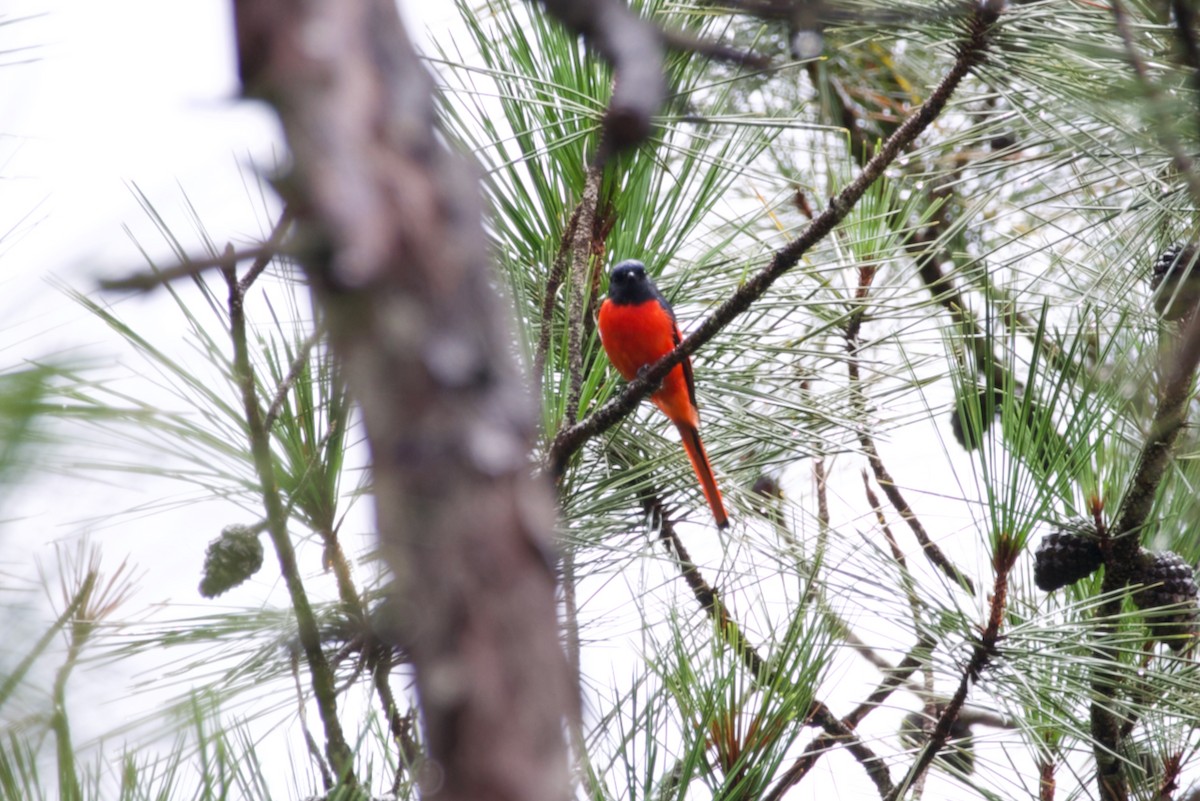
x: 699, y: 458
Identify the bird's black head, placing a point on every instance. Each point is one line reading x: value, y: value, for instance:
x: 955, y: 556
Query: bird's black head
x: 629, y: 284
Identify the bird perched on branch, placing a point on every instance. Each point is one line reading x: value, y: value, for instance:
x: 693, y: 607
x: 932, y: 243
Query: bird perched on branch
x: 637, y: 328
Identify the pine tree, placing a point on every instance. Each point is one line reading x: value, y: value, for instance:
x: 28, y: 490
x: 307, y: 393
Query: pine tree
x: 925, y: 256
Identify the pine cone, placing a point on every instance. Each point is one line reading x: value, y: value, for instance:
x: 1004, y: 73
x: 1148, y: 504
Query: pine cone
x: 1067, y: 555
x: 1169, y: 581
x: 231, y: 558
x: 1176, y: 282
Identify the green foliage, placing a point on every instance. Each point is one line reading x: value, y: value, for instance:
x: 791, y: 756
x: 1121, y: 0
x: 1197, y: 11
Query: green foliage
x: 996, y: 271
x: 22, y: 393
x: 1036, y: 199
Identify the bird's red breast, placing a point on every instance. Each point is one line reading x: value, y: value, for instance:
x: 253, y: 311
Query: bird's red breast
x: 638, y: 335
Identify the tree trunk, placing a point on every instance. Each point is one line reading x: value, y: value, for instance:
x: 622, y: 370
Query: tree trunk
x: 390, y: 234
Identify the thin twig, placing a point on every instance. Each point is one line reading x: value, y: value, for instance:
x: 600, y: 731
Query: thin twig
x: 906, y: 578
x: 839, y: 733
x: 334, y: 557
x: 289, y: 380
x: 310, y: 742
x: 262, y: 255
x: 971, y: 51
x: 877, y: 508
x: 705, y: 594
x: 868, y: 653
x: 144, y: 282
x: 882, y: 477
x: 924, y: 692
x: 18, y: 674
x: 338, y: 752
x: 928, y: 547
x: 970, y: 716
x: 1045, y: 780
x: 713, y: 50
x: 77, y: 635
x: 270, y: 250
x: 918, y: 656
x: 408, y: 752
x: 821, y: 480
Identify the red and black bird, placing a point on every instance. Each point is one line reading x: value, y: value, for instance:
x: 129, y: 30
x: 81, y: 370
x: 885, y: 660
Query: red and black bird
x: 637, y: 328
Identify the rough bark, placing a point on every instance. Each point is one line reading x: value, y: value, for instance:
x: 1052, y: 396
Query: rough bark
x: 389, y: 231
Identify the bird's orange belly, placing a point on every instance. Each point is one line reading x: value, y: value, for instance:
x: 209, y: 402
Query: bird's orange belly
x: 634, y: 337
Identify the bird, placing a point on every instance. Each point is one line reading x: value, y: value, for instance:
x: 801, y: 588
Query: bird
x: 637, y: 327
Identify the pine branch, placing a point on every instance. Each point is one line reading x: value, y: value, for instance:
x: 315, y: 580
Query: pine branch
x: 1003, y: 559
x: 408, y: 751
x: 715, y: 51
x: 821, y: 480
x: 1046, y: 783
x: 336, y: 749
x: 271, y: 249
x: 971, y: 51
x: 882, y: 477
x: 886, y: 483
x: 18, y: 673
x: 906, y: 578
x: 822, y: 744
x: 558, y: 271
x: 310, y: 742
x: 839, y: 732
x: 705, y: 594
x: 581, y: 261
x: 897, y: 676
x: 60, y: 724
x: 1124, y: 542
